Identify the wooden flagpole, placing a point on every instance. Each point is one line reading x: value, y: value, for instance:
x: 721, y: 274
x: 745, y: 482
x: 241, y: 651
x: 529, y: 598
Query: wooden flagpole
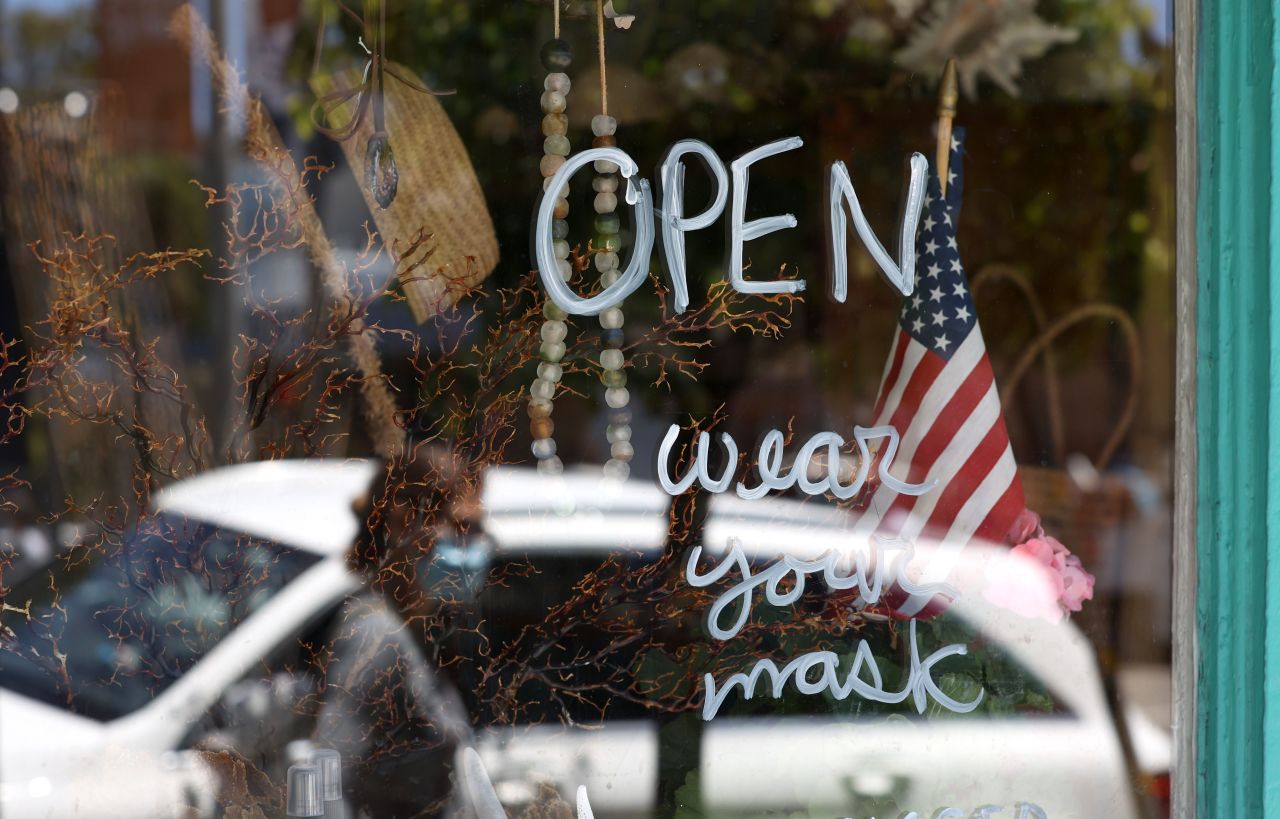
x: 948, y: 96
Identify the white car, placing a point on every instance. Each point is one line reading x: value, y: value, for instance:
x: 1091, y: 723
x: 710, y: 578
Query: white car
x: 115, y: 750
x: 1068, y: 763
x: 59, y: 759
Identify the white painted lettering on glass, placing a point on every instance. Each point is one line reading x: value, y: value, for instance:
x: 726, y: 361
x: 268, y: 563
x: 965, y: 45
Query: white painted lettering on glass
x: 742, y: 231
x: 919, y: 685
x: 902, y: 276
x: 865, y: 568
x: 769, y: 465
x: 674, y: 224
x: 637, y: 195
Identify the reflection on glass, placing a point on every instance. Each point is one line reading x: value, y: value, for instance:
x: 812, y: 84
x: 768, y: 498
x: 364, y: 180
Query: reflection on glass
x: 435, y: 528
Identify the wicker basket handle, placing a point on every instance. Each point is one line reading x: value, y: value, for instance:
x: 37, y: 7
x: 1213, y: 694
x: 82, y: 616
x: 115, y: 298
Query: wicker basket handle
x: 1007, y: 273
x: 1045, y: 339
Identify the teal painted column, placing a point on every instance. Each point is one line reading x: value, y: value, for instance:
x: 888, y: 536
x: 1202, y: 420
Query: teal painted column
x: 1238, y: 412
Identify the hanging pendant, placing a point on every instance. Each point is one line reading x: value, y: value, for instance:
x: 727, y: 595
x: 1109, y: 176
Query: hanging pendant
x: 381, y: 173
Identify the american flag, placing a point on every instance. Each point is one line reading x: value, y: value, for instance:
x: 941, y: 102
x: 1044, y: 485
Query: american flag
x: 939, y: 393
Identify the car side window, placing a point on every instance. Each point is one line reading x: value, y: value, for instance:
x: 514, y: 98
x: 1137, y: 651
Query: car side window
x: 273, y: 705
x: 511, y: 612
x: 141, y: 616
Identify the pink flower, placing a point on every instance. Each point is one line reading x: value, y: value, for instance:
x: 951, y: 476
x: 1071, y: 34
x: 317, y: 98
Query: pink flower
x: 1025, y: 528
x: 1077, y: 584
x: 1020, y: 582
x: 1013, y: 582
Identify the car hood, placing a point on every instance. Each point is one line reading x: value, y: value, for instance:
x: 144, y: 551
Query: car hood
x: 42, y: 726
x: 56, y: 764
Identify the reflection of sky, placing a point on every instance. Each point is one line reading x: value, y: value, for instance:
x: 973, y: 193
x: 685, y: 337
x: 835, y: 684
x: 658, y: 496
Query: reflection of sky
x: 1160, y: 30
x: 1161, y: 19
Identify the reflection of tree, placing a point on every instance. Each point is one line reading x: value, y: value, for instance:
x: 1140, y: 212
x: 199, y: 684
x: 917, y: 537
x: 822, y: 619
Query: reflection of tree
x: 55, y: 50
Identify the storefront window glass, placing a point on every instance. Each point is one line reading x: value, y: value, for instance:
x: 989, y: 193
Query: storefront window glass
x: 567, y: 408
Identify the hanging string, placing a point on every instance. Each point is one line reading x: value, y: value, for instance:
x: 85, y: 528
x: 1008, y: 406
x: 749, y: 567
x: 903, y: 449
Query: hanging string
x: 608, y: 243
x: 604, y: 81
x: 555, y: 5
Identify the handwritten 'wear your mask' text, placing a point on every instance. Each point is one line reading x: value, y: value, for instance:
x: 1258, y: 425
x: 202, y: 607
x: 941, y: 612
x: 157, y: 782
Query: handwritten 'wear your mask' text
x: 784, y: 579
x: 673, y: 224
x: 769, y: 465
x: 784, y: 583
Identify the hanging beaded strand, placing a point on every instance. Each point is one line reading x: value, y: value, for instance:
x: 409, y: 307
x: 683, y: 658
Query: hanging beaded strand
x: 608, y: 242
x: 557, y: 57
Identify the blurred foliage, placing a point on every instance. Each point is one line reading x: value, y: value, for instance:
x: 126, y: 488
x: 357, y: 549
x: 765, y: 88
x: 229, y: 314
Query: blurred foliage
x: 58, y: 49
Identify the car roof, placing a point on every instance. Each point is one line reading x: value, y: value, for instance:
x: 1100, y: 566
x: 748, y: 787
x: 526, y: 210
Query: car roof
x: 528, y: 512
x: 303, y: 503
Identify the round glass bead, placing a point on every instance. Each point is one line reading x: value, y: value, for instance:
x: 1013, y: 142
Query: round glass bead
x: 555, y: 124
x: 564, y: 269
x: 607, y: 261
x: 611, y: 319
x: 544, y: 448
x: 550, y: 466
x: 620, y: 417
x: 542, y: 427
x: 609, y: 277
x: 550, y: 372
x: 604, y: 142
x: 616, y: 470
x: 553, y: 102
x: 557, y: 144
x: 562, y: 193
x: 551, y: 310
x: 618, y: 432
x: 612, y: 338
x: 603, y: 125
x: 554, y: 330
x: 542, y: 389
x: 612, y: 359
x: 550, y: 163
x: 557, y: 55
x: 605, y: 184
x: 557, y: 81
x: 608, y: 242
x: 605, y: 166
x: 617, y: 397
x: 539, y: 408
x: 559, y: 229
x: 552, y: 351
x: 560, y: 248
x: 605, y: 202
x: 622, y: 450
x: 608, y: 223
x: 561, y: 209
x: 613, y: 378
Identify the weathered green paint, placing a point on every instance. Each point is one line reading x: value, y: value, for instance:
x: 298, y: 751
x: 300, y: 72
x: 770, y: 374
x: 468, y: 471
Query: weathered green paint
x: 1238, y: 413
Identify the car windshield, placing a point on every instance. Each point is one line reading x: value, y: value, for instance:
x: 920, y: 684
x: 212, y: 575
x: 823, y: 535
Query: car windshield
x: 104, y: 636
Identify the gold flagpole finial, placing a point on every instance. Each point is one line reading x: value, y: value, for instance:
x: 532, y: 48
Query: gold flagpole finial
x: 948, y: 96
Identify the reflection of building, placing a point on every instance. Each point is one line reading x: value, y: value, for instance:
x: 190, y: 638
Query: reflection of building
x: 170, y: 101
x: 137, y: 53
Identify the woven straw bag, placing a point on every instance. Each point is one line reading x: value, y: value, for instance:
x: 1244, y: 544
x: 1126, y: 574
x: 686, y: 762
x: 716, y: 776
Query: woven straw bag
x: 1078, y: 515
x: 438, y: 194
